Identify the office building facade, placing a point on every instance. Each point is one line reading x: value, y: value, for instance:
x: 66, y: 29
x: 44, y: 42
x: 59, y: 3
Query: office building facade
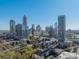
x: 25, y: 27
x: 12, y: 27
x: 19, y: 30
x: 61, y: 28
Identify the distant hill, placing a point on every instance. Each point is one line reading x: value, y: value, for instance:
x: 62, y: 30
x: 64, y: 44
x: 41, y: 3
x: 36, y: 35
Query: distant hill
x: 4, y: 31
x: 73, y: 31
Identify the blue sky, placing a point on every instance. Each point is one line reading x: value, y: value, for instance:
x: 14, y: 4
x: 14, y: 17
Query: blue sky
x: 43, y: 12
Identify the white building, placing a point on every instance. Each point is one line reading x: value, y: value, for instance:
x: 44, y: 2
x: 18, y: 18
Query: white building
x: 68, y: 55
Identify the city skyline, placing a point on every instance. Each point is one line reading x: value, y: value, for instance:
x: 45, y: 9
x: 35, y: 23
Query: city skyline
x: 43, y: 12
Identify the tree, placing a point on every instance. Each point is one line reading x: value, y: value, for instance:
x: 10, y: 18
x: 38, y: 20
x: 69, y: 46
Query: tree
x: 28, y: 53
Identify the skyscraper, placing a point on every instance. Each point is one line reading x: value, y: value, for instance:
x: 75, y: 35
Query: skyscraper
x: 24, y: 20
x: 12, y: 27
x: 56, y: 30
x: 61, y: 28
x: 38, y: 31
x: 25, y: 27
x: 50, y: 31
x: 38, y: 27
x: 19, y: 30
x: 33, y: 29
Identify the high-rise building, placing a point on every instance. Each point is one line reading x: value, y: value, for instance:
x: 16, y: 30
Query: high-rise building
x: 50, y: 31
x: 33, y: 29
x: 61, y: 28
x: 19, y: 30
x: 12, y: 27
x: 25, y: 27
x: 38, y: 27
x: 24, y: 20
x: 38, y: 31
x: 56, y: 30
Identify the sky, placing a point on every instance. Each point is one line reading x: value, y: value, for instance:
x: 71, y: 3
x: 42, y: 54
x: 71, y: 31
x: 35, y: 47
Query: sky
x: 43, y: 12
